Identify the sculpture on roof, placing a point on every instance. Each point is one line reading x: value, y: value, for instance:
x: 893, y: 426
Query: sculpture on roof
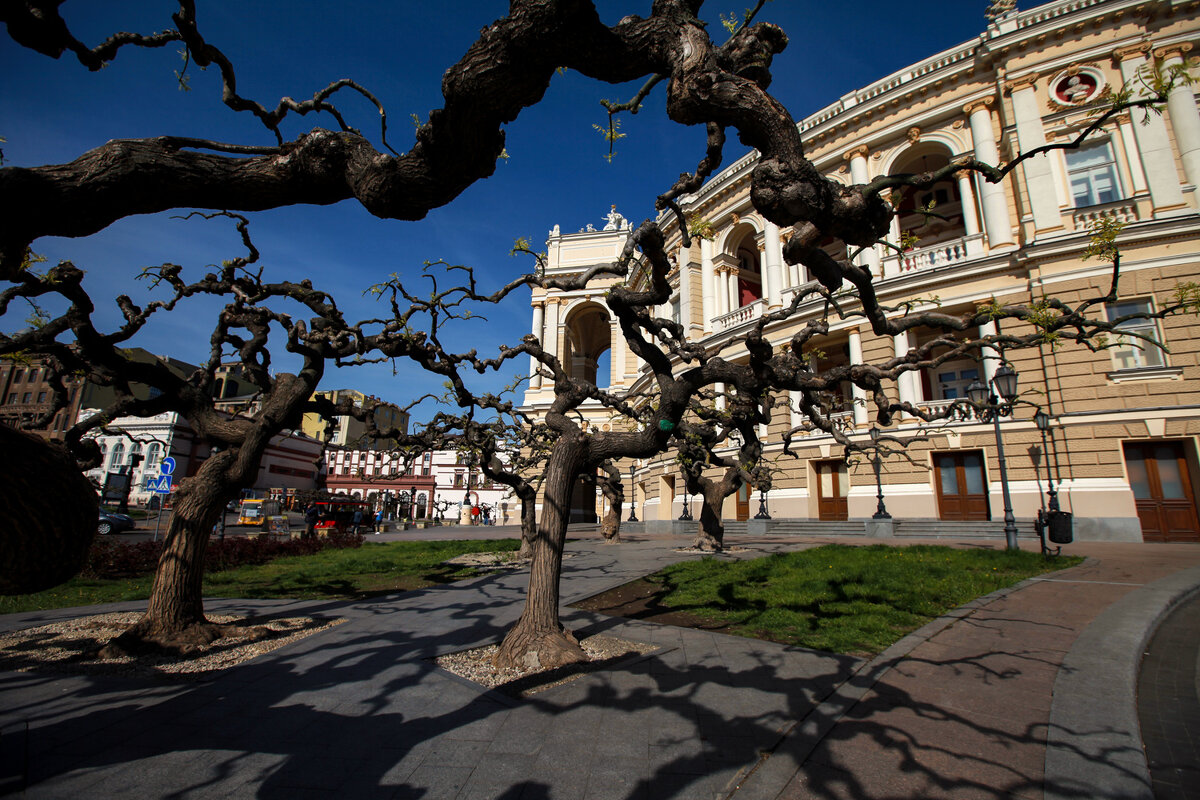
x: 615, y: 220
x: 999, y: 8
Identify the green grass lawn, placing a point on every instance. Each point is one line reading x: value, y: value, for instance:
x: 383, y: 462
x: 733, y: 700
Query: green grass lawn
x: 840, y: 598
x: 374, y: 568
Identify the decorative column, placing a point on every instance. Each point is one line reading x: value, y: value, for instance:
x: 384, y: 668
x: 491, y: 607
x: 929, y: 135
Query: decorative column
x: 1039, y: 179
x: 550, y: 340
x: 1129, y: 144
x: 992, y: 197
x: 795, y: 272
x: 1185, y: 119
x: 795, y: 417
x: 859, y: 174
x: 685, y: 289
x: 991, y: 360
x: 773, y: 256
x: 733, y: 299
x: 966, y: 192
x: 535, y: 377
x: 1153, y: 143
x: 858, y: 393
x: 905, y: 383
x: 708, y: 282
x: 617, y: 347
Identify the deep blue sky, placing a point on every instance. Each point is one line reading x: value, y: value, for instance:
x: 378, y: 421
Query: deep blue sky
x: 55, y: 110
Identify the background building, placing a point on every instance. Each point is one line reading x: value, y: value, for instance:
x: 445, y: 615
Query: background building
x: 289, y: 464
x: 419, y: 487
x: 1125, y: 419
x: 348, y: 431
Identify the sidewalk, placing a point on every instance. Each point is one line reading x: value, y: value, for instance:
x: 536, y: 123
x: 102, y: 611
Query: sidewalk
x: 959, y: 709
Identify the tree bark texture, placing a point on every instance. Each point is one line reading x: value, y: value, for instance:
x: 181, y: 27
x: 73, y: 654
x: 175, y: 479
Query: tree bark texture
x: 538, y: 640
x: 710, y: 530
x: 51, y: 512
x: 614, y: 492
x: 174, y: 619
x: 528, y: 526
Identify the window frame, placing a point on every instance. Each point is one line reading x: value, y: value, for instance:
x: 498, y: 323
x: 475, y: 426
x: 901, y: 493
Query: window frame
x: 1137, y: 349
x: 1110, y: 164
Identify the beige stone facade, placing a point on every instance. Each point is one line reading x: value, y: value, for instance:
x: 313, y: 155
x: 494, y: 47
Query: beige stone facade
x: 1125, y: 419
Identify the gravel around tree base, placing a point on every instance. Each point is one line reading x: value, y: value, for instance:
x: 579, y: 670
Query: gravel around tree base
x: 476, y: 665
x: 62, y: 647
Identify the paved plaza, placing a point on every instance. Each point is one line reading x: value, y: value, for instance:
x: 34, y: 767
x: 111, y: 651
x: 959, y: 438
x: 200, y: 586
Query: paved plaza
x: 1030, y: 692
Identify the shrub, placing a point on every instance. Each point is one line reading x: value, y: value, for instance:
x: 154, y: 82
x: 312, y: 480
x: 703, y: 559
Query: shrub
x: 115, y: 559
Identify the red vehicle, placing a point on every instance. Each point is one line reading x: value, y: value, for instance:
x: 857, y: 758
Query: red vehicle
x: 338, y: 515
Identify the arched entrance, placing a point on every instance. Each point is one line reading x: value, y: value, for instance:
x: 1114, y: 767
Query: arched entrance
x: 744, y: 248
x: 587, y: 339
x: 928, y: 217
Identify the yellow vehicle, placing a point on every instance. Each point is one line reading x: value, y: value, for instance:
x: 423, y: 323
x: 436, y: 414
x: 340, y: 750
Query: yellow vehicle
x: 255, y: 512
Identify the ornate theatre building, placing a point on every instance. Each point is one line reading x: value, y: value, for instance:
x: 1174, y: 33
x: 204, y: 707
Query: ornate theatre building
x: 1123, y: 421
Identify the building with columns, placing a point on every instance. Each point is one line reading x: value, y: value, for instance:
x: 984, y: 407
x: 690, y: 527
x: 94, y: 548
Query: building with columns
x: 1124, y: 419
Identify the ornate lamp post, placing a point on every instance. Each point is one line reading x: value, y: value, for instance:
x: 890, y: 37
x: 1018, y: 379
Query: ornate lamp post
x: 686, y: 516
x: 989, y: 408
x: 1042, y: 420
x: 632, y: 493
x: 880, y: 510
x: 762, y: 505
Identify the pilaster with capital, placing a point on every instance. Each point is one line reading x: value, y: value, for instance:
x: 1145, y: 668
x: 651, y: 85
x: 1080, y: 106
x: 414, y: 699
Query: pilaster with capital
x: 708, y: 284
x: 858, y: 393
x: 1040, y: 181
x: 773, y: 264
x: 1153, y: 143
x: 550, y: 340
x: 1181, y: 107
x: 992, y: 196
x: 859, y: 174
x: 535, y: 378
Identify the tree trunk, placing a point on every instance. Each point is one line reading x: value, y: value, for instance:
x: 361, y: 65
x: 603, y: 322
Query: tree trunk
x: 710, y: 533
x: 528, y: 526
x: 538, y: 640
x: 174, y: 619
x: 614, y: 492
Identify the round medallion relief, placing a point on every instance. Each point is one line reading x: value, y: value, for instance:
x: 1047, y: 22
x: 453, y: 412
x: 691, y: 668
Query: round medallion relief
x: 1075, y: 87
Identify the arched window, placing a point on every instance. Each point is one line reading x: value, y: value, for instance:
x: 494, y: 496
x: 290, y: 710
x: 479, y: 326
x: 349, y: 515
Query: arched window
x: 118, y: 457
x: 153, y: 455
x: 136, y: 450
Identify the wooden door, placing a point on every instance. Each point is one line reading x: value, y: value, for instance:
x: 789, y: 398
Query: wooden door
x: 833, y: 485
x: 743, y: 503
x: 961, y: 485
x: 1162, y: 491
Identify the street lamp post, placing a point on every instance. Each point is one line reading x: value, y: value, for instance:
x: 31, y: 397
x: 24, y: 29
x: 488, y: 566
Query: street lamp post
x: 632, y: 493
x: 686, y: 516
x: 762, y: 505
x: 880, y: 510
x: 1042, y: 420
x: 991, y: 409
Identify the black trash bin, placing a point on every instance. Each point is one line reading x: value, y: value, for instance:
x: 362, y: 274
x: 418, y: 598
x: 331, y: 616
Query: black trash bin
x: 1060, y: 526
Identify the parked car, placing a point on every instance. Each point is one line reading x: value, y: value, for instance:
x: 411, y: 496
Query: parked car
x: 111, y: 522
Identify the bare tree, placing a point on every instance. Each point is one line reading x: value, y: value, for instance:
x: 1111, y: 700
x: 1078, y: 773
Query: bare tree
x: 721, y: 86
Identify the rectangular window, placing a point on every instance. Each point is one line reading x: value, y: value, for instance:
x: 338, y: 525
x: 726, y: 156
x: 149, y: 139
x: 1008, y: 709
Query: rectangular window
x: 1137, y: 351
x: 12, y: 397
x: 1092, y: 170
x: 954, y: 378
x: 33, y: 373
x: 27, y: 397
x: 41, y: 397
x: 17, y: 375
